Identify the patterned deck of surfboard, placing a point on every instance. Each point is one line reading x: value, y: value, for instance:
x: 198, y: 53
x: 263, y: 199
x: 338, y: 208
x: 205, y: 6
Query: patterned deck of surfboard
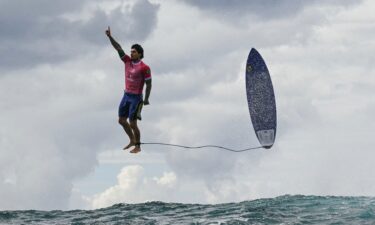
x: 261, y: 99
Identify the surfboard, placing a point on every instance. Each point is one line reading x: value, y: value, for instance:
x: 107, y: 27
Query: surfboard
x: 261, y: 99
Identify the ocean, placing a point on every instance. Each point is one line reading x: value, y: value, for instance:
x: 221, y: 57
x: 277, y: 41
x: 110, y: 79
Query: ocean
x: 287, y: 209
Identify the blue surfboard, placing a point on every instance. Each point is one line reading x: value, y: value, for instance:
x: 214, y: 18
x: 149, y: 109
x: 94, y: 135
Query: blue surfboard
x: 261, y: 99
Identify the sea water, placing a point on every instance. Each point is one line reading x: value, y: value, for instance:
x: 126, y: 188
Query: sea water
x: 286, y: 209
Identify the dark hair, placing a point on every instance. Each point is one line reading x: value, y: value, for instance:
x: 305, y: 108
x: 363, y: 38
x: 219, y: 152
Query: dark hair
x: 139, y: 49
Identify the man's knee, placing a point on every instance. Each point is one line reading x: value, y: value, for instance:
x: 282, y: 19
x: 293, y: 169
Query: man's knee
x: 122, y: 121
x: 133, y: 124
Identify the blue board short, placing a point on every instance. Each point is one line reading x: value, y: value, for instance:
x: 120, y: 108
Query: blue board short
x: 130, y: 105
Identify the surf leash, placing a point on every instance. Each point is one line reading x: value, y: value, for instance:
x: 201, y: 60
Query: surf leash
x: 202, y: 146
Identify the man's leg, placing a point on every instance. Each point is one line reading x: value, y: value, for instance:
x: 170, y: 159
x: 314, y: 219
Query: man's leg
x: 128, y: 130
x: 137, y: 136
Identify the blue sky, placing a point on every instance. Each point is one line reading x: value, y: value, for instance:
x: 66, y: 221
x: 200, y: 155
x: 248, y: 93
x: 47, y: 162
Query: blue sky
x: 61, y: 82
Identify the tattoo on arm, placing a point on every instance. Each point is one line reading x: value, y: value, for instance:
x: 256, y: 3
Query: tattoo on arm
x: 114, y: 43
x: 148, y: 89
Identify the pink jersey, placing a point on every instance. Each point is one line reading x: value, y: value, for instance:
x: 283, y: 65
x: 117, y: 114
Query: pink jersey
x: 136, y: 73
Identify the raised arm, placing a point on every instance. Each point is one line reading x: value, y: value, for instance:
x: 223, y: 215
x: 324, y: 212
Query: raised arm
x: 114, y: 43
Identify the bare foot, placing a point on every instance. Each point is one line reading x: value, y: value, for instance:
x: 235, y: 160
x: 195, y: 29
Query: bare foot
x: 136, y: 149
x: 129, y: 145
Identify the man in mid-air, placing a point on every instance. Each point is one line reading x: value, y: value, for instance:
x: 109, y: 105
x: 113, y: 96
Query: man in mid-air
x: 137, y: 73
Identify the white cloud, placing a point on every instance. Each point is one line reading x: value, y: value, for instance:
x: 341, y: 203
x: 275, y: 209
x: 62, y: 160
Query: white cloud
x: 134, y: 187
x: 167, y: 180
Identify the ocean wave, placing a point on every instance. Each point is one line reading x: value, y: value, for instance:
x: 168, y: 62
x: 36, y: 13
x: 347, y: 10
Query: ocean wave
x: 287, y: 209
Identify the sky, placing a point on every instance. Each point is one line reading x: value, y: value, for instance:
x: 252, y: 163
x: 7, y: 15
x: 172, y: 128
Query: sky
x: 61, y: 82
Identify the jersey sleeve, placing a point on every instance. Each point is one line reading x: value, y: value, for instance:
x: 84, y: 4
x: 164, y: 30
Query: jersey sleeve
x: 124, y: 57
x: 147, y: 73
